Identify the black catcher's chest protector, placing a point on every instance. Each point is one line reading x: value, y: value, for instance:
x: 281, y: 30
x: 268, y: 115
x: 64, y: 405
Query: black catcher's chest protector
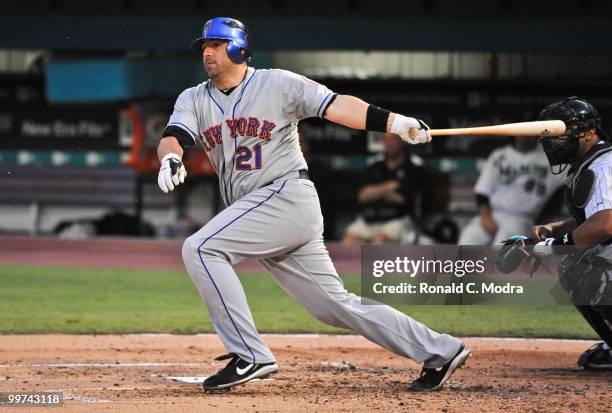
x: 582, y: 182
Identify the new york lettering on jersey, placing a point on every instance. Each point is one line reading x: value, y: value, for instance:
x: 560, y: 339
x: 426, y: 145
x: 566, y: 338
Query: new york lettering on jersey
x: 243, y: 126
x: 251, y: 140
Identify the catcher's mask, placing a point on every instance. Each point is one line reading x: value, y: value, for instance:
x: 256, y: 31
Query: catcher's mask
x: 579, y: 117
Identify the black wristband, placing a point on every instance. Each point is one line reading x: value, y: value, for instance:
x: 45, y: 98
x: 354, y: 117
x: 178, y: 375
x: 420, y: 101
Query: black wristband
x: 560, y: 245
x: 567, y: 239
x: 182, y: 136
x: 376, y: 119
x: 482, y: 200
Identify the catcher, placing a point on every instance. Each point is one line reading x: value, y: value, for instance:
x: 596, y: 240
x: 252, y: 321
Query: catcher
x: 586, y: 272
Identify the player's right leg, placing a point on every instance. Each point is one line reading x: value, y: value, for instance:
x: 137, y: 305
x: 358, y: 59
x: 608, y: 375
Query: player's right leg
x: 267, y: 222
x: 308, y: 275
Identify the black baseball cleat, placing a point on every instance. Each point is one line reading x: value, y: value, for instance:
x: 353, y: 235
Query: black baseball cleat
x: 237, y: 371
x: 598, y: 357
x: 434, y: 379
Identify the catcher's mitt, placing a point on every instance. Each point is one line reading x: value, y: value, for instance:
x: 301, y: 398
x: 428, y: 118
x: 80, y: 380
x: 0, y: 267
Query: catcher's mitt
x: 514, y: 251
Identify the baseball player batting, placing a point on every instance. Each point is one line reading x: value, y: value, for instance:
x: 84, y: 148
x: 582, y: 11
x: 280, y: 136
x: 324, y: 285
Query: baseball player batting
x: 246, y: 120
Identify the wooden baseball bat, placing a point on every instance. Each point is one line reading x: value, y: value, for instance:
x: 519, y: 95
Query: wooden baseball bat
x: 536, y: 128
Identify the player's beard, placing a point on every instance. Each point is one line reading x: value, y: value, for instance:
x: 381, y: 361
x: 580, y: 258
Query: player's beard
x: 212, y: 71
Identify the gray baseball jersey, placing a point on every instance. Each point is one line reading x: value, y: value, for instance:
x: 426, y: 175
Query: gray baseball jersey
x: 251, y: 135
x: 275, y: 217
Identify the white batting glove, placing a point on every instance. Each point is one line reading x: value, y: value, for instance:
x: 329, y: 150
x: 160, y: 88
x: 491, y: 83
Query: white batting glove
x: 411, y: 130
x: 172, y: 172
x: 544, y: 248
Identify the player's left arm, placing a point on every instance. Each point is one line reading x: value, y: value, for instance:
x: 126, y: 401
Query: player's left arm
x: 595, y: 230
x: 598, y: 226
x: 598, y: 208
x: 172, y: 172
x: 180, y: 133
x: 302, y: 98
x: 353, y: 112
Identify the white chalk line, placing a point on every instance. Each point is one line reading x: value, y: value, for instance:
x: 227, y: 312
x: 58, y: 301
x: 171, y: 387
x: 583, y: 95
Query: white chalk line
x: 175, y: 379
x: 200, y: 379
x: 94, y: 389
x: 103, y: 365
x: 86, y: 399
x: 355, y: 336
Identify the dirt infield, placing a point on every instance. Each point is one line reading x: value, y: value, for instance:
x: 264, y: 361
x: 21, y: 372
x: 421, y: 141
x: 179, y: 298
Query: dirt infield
x: 128, y: 373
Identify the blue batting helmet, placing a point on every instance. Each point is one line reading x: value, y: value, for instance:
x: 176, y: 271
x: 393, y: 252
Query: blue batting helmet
x: 232, y: 30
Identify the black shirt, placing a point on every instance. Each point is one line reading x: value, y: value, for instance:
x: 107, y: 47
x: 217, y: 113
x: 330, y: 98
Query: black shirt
x: 412, y: 184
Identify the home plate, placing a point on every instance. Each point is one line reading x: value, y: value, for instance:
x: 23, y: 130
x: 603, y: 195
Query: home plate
x: 187, y: 379
x: 199, y: 379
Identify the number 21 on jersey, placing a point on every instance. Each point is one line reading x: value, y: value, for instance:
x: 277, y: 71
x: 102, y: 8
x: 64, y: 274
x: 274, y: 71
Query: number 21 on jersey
x: 248, y: 158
